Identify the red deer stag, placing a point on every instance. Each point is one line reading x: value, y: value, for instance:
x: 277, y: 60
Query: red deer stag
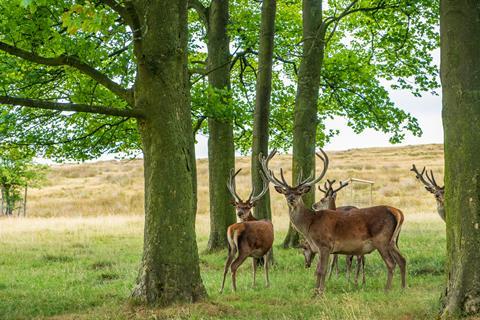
x: 328, y: 231
x: 432, y: 186
x: 328, y: 202
x: 250, y: 237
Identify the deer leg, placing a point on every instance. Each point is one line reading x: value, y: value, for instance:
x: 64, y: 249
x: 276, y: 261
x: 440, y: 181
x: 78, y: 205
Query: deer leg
x: 334, y: 263
x: 357, y: 270
x: 401, y: 263
x: 321, y: 271
x: 363, y: 270
x: 348, y: 263
x: 234, y: 266
x: 390, y: 263
x: 231, y: 255
x: 266, y: 261
x: 254, y: 266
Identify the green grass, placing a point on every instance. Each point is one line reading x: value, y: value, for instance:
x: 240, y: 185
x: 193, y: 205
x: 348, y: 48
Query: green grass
x: 86, y: 271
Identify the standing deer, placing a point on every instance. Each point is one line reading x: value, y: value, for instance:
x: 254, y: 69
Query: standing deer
x: 250, y: 237
x: 328, y: 202
x: 328, y: 231
x: 432, y: 186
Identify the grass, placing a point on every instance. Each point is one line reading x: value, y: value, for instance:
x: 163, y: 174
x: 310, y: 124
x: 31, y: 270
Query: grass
x: 77, y: 253
x: 84, y: 268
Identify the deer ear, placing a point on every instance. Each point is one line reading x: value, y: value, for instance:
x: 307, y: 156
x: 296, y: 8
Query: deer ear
x: 280, y: 189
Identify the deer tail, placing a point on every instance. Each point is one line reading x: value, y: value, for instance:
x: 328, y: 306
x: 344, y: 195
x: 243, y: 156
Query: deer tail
x: 398, y: 215
x: 232, y: 237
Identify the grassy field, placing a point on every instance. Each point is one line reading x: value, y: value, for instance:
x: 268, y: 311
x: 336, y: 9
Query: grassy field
x: 116, y: 187
x: 76, y: 255
x: 84, y: 268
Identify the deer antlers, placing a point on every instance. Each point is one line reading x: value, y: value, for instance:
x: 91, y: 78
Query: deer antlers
x: 251, y: 198
x: 328, y: 187
x: 283, y: 183
x: 431, y: 185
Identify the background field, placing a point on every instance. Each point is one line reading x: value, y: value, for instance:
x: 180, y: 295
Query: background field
x: 76, y: 255
x: 116, y: 187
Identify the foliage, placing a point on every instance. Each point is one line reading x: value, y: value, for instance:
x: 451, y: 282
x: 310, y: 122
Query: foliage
x: 16, y: 173
x: 92, y: 34
x: 367, y: 52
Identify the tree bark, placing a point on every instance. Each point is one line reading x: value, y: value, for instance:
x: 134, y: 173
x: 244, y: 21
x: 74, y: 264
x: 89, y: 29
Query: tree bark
x: 221, y: 152
x: 305, y: 115
x: 25, y: 201
x: 3, y: 200
x: 169, y: 270
x: 261, y: 114
x: 460, y: 76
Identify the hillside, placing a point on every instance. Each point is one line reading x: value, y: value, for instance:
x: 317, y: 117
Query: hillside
x: 116, y: 187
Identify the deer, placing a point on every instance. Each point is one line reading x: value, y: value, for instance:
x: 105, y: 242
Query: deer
x: 328, y: 231
x: 249, y: 237
x: 432, y: 187
x: 328, y: 202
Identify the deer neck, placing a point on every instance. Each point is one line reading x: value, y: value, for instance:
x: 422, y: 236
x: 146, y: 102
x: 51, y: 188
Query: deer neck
x: 300, y: 216
x: 249, y: 218
x: 441, y: 210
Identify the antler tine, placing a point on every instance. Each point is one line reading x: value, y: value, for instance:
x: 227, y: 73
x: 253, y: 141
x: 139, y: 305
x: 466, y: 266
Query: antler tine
x: 325, y: 161
x: 431, y: 178
x: 324, y: 191
x: 282, y: 177
x: 269, y: 173
x: 420, y: 176
x: 342, y: 185
x: 264, y: 190
x: 231, y: 184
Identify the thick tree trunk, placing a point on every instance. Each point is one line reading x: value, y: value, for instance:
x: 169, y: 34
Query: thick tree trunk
x: 460, y: 73
x: 262, y: 208
x: 305, y: 116
x: 170, y: 265
x: 221, y: 152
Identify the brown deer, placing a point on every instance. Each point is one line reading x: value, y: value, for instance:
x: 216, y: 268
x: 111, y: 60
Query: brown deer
x: 250, y: 237
x: 328, y: 202
x: 328, y: 231
x: 432, y: 186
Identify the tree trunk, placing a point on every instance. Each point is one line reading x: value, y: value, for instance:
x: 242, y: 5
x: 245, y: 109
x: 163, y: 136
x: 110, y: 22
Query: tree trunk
x: 8, y: 201
x: 170, y: 265
x: 261, y: 114
x: 460, y: 75
x: 305, y: 115
x: 3, y: 200
x: 262, y: 209
x: 221, y: 152
x: 25, y: 201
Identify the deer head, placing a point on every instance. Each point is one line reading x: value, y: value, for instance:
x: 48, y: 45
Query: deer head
x: 431, y: 185
x: 330, y: 195
x: 244, y: 208
x: 293, y: 194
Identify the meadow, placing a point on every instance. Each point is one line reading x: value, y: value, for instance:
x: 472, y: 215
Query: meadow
x: 76, y: 254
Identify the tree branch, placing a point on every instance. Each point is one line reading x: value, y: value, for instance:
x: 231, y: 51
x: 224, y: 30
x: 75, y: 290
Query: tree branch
x: 75, y: 63
x: 202, y: 11
x: 61, y: 106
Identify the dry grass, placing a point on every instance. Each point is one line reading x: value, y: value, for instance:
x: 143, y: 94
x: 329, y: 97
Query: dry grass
x: 116, y: 187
